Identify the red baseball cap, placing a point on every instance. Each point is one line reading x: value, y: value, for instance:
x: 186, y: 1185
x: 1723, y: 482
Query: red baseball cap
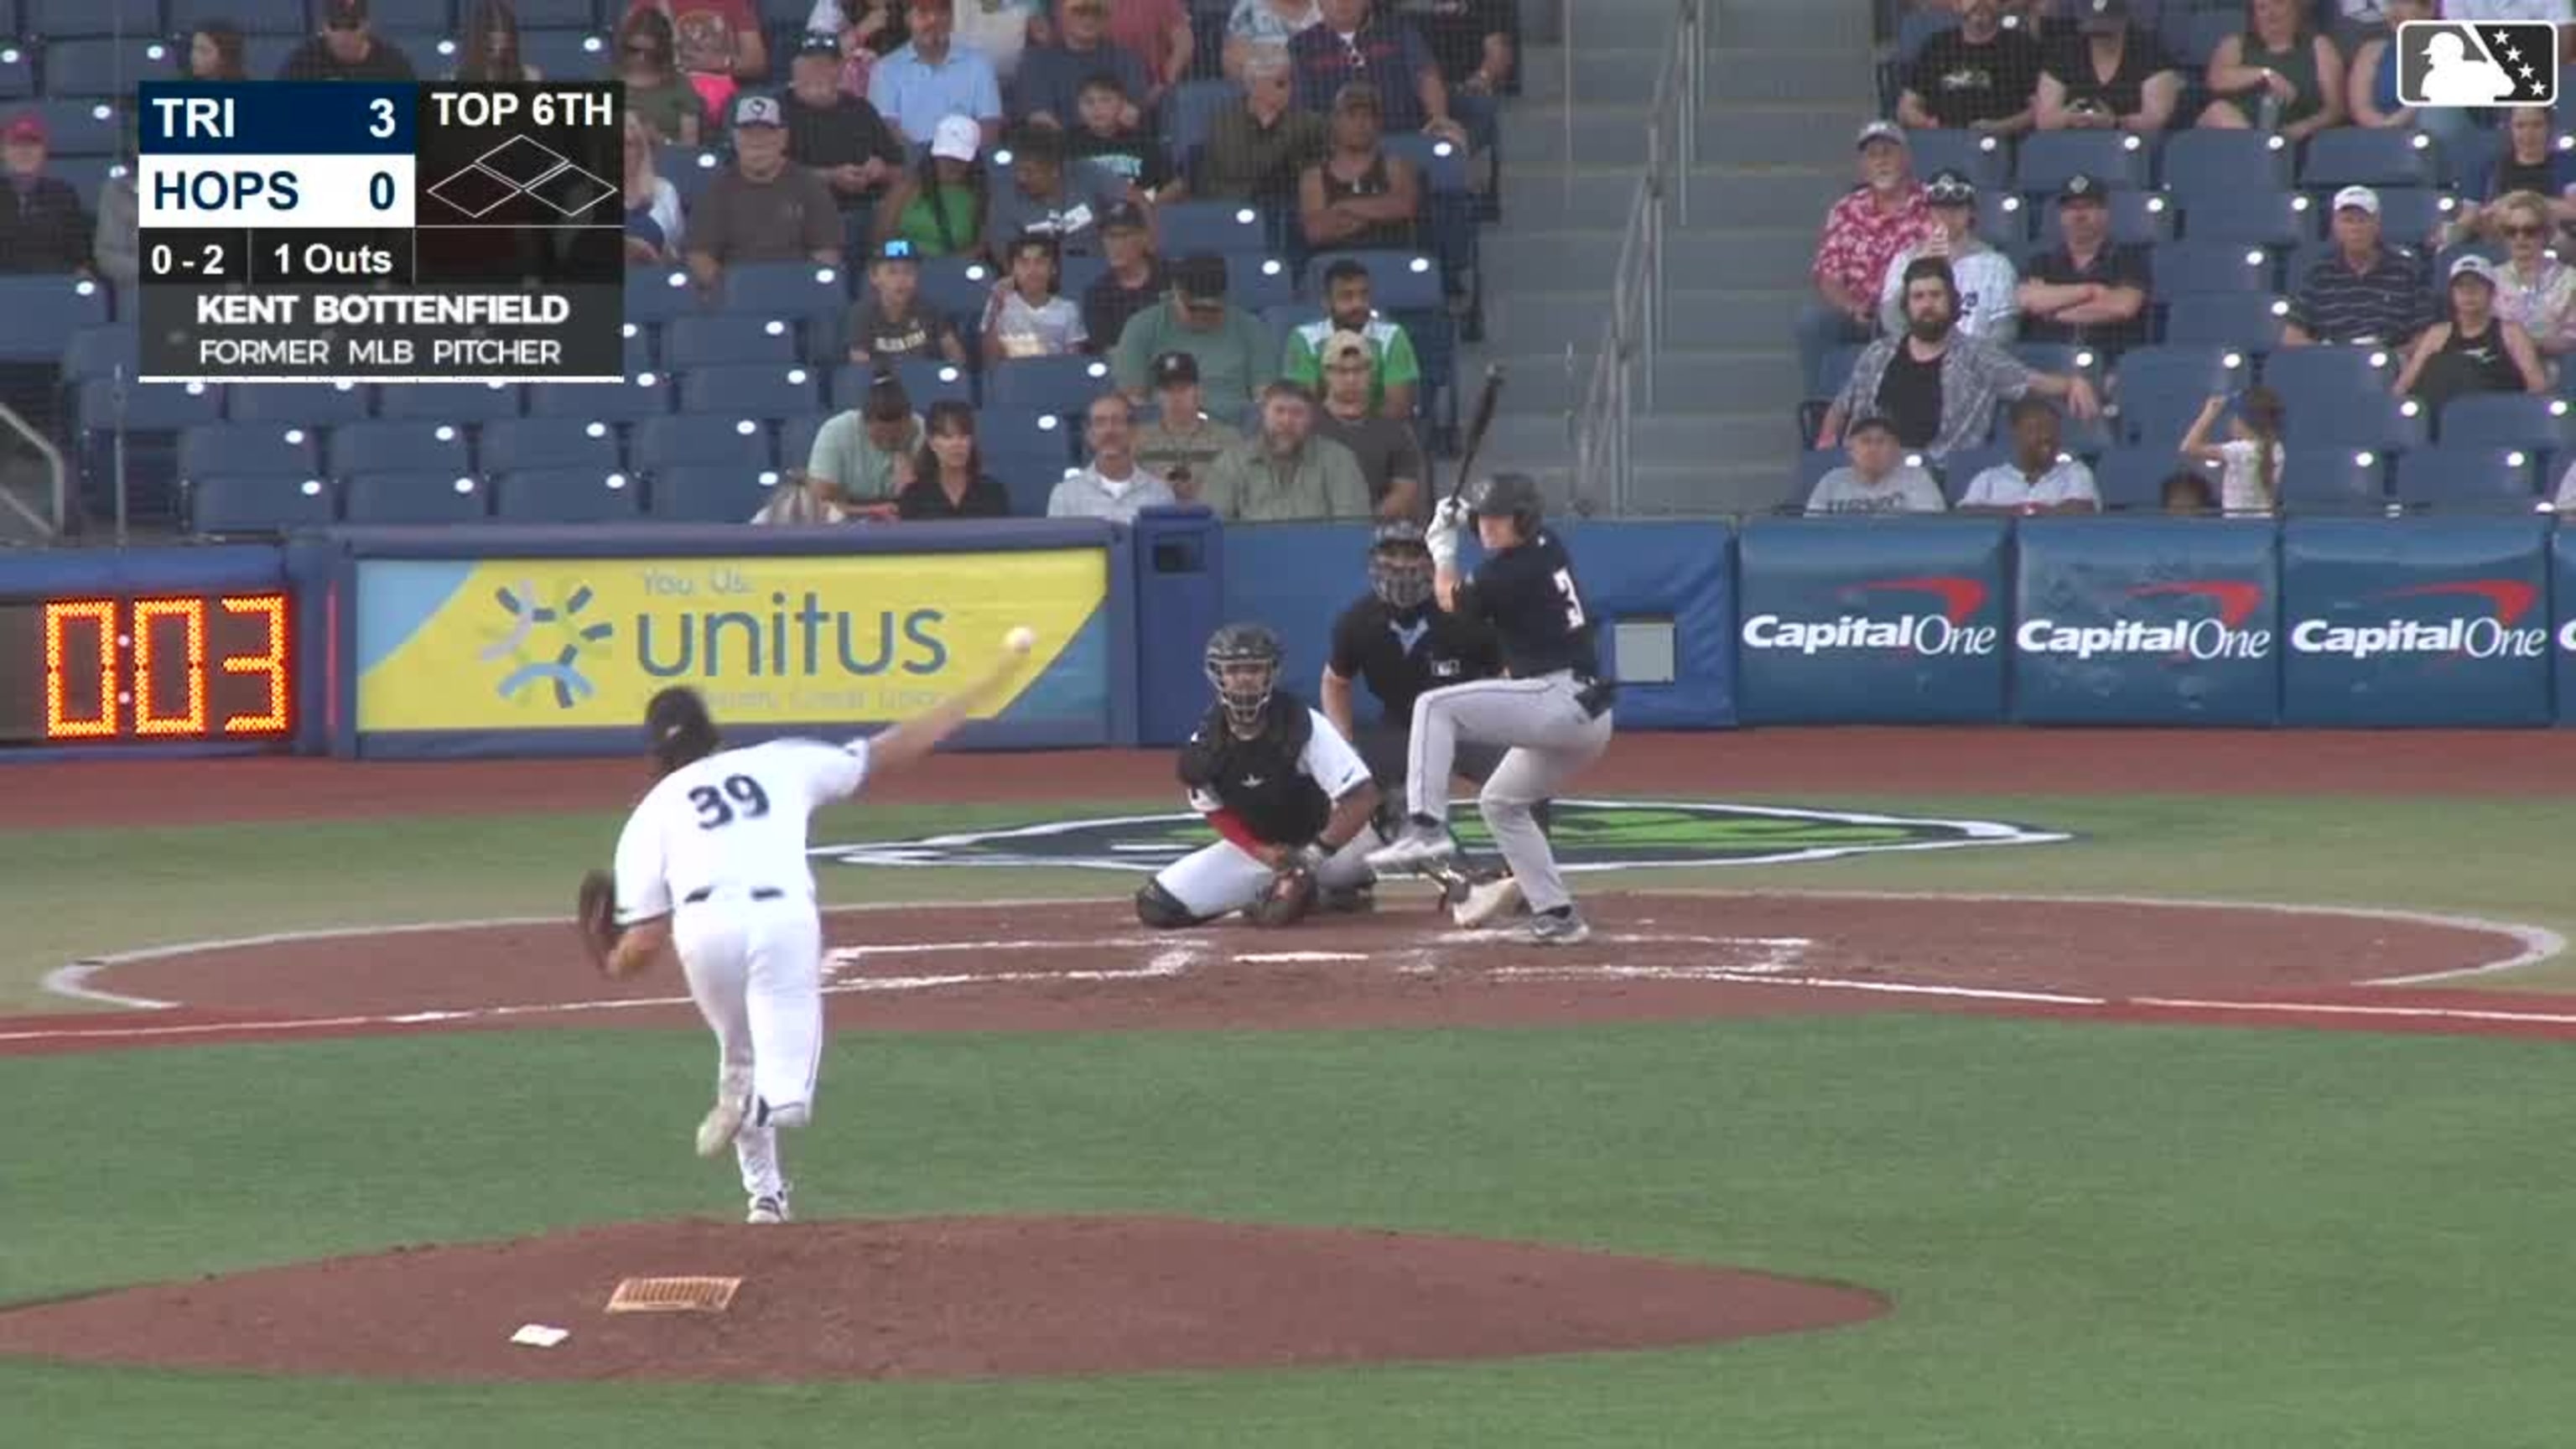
x: 24, y: 126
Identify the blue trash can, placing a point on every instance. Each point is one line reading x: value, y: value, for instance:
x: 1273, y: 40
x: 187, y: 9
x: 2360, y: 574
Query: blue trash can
x: 1180, y: 596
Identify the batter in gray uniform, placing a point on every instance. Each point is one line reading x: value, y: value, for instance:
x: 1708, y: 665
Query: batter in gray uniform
x: 1552, y: 714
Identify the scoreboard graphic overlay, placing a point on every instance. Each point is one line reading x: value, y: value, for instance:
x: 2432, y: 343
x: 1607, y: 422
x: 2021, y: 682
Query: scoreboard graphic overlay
x: 431, y: 232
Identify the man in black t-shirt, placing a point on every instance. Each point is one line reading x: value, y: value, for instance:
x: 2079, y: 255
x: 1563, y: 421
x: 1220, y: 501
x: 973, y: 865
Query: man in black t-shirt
x: 1552, y: 714
x: 2087, y: 291
x: 1979, y: 77
x: 348, y: 49
x: 838, y: 136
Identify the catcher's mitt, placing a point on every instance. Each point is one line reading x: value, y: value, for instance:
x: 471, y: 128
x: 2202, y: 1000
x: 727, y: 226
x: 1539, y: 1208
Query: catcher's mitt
x: 1286, y: 900
x: 595, y: 916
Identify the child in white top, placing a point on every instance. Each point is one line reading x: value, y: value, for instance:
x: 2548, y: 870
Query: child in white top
x: 1027, y: 318
x: 2251, y: 459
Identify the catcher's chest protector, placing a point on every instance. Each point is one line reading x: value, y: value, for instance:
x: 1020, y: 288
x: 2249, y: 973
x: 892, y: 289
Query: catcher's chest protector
x: 1263, y: 780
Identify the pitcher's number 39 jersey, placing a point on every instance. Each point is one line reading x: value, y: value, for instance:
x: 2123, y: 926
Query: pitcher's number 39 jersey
x: 735, y: 820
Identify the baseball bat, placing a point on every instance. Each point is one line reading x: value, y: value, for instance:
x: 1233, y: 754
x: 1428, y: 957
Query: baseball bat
x: 1477, y: 423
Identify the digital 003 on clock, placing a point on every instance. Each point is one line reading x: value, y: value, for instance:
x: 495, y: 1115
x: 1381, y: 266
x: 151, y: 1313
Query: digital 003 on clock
x: 115, y: 669
x: 434, y: 232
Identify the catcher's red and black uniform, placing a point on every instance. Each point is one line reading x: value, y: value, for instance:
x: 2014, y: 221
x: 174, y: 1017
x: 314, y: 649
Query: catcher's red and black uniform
x: 1275, y: 788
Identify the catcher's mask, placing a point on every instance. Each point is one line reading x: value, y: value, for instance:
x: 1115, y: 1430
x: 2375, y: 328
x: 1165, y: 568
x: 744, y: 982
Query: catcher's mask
x: 679, y: 727
x: 1400, y: 566
x: 1243, y: 664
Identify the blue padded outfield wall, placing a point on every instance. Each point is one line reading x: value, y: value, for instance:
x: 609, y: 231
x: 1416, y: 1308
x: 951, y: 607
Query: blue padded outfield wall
x: 498, y: 641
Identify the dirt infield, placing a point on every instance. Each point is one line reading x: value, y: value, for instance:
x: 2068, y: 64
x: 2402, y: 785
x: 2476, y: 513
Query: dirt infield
x: 1847, y: 761
x: 930, y: 1299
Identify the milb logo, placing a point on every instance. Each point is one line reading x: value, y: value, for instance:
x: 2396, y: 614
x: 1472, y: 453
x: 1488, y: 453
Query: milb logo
x: 1945, y: 633
x: 2493, y: 635
x: 2477, y: 65
x: 2221, y: 635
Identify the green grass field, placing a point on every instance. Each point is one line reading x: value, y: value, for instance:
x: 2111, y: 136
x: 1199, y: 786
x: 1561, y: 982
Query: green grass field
x: 2094, y: 1235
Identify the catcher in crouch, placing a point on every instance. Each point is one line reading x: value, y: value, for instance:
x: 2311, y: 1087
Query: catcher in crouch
x: 1289, y: 795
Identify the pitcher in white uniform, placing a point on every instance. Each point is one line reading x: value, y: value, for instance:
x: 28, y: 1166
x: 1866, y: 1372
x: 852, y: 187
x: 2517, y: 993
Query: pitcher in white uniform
x: 713, y: 861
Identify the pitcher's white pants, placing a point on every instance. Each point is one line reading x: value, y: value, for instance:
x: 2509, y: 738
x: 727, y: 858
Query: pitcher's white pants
x: 755, y: 969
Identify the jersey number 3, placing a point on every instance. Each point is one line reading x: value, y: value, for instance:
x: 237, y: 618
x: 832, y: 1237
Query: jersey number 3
x: 716, y: 803
x: 1573, y: 600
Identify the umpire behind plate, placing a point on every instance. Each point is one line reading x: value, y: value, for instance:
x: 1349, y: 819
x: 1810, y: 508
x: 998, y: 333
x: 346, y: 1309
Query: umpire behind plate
x: 1553, y: 713
x: 1289, y: 795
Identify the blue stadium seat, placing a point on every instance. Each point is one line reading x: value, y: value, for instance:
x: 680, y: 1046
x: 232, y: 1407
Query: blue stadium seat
x: 1442, y: 164
x: 2204, y: 166
x: 520, y: 445
x: 2342, y: 156
x: 248, y: 448
x: 86, y: 175
x: 712, y: 492
x: 579, y: 15
x: 1029, y: 482
x: 577, y: 54
x: 17, y: 69
x: 1061, y: 385
x: 711, y: 339
x: 1257, y: 286
x: 786, y: 289
x: 690, y: 170
x: 253, y: 17
x: 2134, y: 478
x: 392, y: 447
x: 2453, y: 476
x: 2004, y: 219
x: 656, y: 294
x: 640, y: 349
x: 1962, y: 467
x: 81, y: 127
x: 957, y: 286
x: 924, y: 381
x: 147, y: 407
x: 2267, y: 218
x: 2372, y: 420
x: 566, y: 495
x: 2201, y: 33
x: 1813, y: 465
x: 2252, y: 323
x: 751, y: 389
x: 1981, y: 158
x: 263, y: 56
x: 796, y: 439
x: 45, y: 311
x: 1916, y: 29
x: 2159, y: 389
x: 2186, y: 267
x: 2330, y: 480
x: 442, y: 16
x: 57, y: 19
x: 1839, y: 364
x: 647, y: 395
x: 2118, y: 159
x: 2505, y: 420
x: 2321, y: 377
x: 1074, y: 275
x: 703, y: 440
x: 99, y: 67
x: 2059, y: 357
x: 1233, y: 228
x: 262, y: 503
x: 2138, y: 218
x: 101, y: 351
x: 447, y: 402
x: 416, y: 496
x: 313, y: 404
x: 1020, y: 447
x: 2408, y: 214
x: 1192, y: 107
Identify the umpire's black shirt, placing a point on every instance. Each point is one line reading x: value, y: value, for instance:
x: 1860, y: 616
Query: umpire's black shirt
x: 1401, y: 655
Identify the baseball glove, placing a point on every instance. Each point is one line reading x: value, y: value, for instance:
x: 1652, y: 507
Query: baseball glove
x: 1287, y: 899
x: 595, y: 915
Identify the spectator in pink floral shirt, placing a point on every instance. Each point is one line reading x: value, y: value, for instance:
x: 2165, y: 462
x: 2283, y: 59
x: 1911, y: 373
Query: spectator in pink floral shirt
x: 1864, y: 232
x: 2533, y: 287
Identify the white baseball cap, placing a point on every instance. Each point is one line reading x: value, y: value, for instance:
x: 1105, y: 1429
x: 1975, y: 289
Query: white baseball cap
x: 2361, y: 197
x: 2473, y: 265
x: 957, y: 138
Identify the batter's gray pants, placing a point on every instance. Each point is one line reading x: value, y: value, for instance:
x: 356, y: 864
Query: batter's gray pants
x: 1550, y: 737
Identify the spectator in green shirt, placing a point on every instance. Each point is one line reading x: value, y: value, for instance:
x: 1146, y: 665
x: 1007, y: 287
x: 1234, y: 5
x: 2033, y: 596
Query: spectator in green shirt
x: 1348, y: 309
x: 858, y: 452
x: 1235, y: 353
x: 1285, y: 473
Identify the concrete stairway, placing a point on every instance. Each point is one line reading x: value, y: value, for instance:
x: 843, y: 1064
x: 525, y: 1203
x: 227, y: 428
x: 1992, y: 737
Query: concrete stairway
x: 1788, y: 82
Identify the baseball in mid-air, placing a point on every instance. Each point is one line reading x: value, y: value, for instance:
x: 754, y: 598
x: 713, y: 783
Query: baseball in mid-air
x: 1020, y: 640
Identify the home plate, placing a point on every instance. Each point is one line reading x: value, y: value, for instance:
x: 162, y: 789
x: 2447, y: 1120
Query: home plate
x: 1283, y: 958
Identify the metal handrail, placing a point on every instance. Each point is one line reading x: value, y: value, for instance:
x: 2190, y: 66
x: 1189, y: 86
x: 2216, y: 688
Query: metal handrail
x: 53, y: 457
x: 1623, y: 367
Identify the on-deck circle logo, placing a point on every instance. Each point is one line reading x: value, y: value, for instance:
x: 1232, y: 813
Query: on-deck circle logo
x: 2492, y: 634
x: 2209, y: 637
x: 1946, y: 632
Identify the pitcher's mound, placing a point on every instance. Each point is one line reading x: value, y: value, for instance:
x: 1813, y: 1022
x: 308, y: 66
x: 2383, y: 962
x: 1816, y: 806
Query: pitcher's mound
x: 927, y: 1299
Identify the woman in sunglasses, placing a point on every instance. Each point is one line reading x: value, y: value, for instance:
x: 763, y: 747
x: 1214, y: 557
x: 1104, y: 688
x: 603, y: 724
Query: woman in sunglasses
x: 648, y: 65
x: 2533, y: 288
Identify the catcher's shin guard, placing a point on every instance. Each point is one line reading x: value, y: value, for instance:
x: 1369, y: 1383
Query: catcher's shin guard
x: 1162, y: 910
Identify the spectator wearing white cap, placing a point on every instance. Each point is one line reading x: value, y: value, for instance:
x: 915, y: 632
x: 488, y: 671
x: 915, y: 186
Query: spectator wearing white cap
x: 2366, y: 292
x: 1978, y: 77
x: 1390, y: 456
x: 1989, y: 285
x: 2108, y: 75
x: 1883, y: 215
x: 1878, y: 479
x: 932, y: 77
x: 939, y: 208
x: 762, y: 208
x: 2088, y: 290
x: 2038, y: 478
x: 2474, y: 350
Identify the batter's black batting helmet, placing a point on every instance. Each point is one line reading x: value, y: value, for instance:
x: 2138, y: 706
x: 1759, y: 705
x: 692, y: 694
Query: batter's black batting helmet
x: 678, y: 727
x: 1243, y: 663
x: 1509, y: 495
x: 1400, y: 565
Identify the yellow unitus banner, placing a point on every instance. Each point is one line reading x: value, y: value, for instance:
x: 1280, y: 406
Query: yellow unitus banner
x: 514, y: 644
